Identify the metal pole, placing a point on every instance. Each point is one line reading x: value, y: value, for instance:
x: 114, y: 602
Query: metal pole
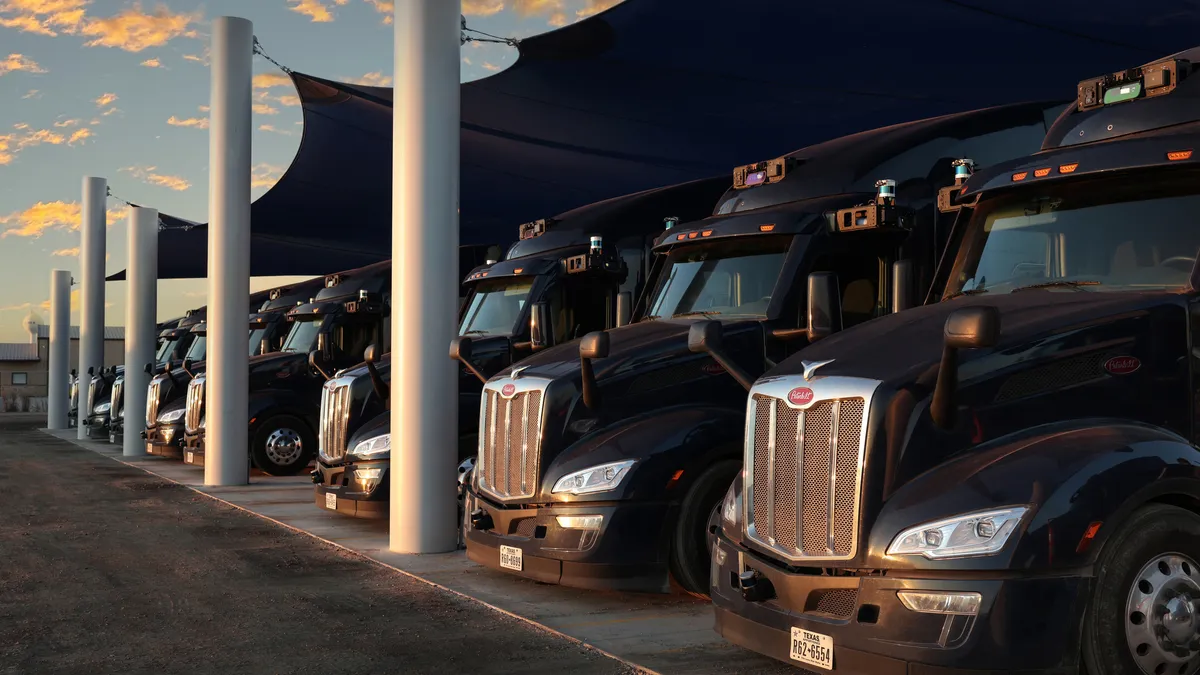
x: 226, y: 460
x: 58, y: 393
x: 425, y: 130
x: 141, y: 309
x: 91, y: 315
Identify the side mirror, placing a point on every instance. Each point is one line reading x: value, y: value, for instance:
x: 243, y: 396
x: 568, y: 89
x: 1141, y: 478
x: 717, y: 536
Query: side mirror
x: 592, y: 346
x: 149, y: 369
x: 966, y: 328
x: 709, y: 337
x: 75, y: 373
x: 824, y: 305
x: 370, y: 354
x: 324, y: 348
x: 187, y: 367
x: 902, y: 285
x: 314, y: 363
x: 264, y: 347
x: 541, y: 326
x: 624, y: 308
x: 460, y: 350
x: 91, y: 370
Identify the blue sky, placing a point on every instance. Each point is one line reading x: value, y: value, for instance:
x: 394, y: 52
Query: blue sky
x: 119, y: 88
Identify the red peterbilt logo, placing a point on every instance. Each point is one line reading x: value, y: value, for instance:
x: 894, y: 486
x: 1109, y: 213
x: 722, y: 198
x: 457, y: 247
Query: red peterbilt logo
x: 508, y: 390
x: 801, y: 396
x: 1122, y: 365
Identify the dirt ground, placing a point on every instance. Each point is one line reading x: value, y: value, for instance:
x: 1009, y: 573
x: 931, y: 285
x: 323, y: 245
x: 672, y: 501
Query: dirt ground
x: 106, y: 569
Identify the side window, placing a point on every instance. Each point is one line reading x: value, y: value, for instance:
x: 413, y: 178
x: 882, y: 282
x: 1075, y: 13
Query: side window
x: 578, y: 307
x: 634, y: 260
x: 860, y: 280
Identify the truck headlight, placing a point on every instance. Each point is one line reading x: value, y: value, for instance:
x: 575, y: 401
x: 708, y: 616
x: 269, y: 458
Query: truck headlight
x: 600, y: 478
x: 731, y: 509
x: 102, y: 408
x: 970, y: 534
x: 373, y: 447
x: 171, y: 416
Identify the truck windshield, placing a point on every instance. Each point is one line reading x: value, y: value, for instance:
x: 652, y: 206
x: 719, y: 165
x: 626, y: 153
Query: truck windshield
x: 725, y: 278
x: 495, y: 306
x: 256, y: 338
x: 164, y: 350
x: 1097, y: 235
x: 196, y: 351
x: 303, y: 336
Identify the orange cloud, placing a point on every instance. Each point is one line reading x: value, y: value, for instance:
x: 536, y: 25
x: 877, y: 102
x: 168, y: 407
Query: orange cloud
x: 42, y: 216
x: 194, y: 122
x: 490, y: 66
x: 375, y: 79
x: 537, y: 7
x: 18, y: 62
x: 265, y: 175
x: 313, y: 9
x: 79, y: 136
x: 264, y: 109
x: 6, y: 156
x: 134, y: 30
x: 66, y: 123
x: 388, y: 8
x: 105, y: 100
x: 152, y: 63
x: 475, y: 7
x: 290, y: 101
x: 269, y: 80
x: 202, y: 108
x: 43, y: 17
x: 67, y: 252
x: 33, y: 93
x: 196, y: 57
x: 595, y: 7
x: 271, y: 128
x: 148, y: 174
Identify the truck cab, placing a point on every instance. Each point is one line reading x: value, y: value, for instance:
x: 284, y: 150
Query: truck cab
x: 602, y: 460
x: 327, y: 333
x: 101, y: 386
x: 165, y: 395
x: 1006, y: 479
x: 580, y: 271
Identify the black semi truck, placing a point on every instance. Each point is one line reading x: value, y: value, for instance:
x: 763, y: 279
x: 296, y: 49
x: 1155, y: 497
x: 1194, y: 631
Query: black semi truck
x: 328, y: 333
x: 166, y: 398
x: 165, y: 334
x: 1007, y: 480
x: 587, y: 267
x: 603, y: 459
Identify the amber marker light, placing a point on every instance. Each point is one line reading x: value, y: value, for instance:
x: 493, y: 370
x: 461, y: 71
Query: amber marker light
x: 1020, y: 176
x: 1042, y: 172
x: 1068, y: 168
x: 765, y: 228
x: 1179, y: 155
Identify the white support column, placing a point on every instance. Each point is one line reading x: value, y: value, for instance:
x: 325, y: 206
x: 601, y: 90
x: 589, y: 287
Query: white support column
x: 425, y: 147
x: 226, y: 460
x: 91, y: 301
x: 141, y: 310
x: 58, y: 396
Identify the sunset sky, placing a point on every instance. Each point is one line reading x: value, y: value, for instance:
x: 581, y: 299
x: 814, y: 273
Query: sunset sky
x: 119, y: 89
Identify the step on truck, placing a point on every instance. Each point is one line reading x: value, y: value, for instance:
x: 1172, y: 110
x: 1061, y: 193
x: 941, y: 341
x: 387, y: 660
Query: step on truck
x: 1006, y: 480
x: 601, y: 462
x: 586, y: 267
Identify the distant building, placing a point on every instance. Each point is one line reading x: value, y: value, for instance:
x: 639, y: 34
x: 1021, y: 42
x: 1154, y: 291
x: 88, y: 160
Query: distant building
x: 25, y: 366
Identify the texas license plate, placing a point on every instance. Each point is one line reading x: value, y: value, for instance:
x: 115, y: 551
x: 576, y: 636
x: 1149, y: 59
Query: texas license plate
x: 331, y: 501
x: 112, y: 438
x: 510, y: 558
x: 812, y: 648
x: 189, y: 458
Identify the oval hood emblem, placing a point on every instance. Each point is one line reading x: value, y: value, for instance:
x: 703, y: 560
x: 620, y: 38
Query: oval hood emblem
x: 508, y: 390
x: 801, y: 396
x: 1122, y: 365
x: 712, y: 368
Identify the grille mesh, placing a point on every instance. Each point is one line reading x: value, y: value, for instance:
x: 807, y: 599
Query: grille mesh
x: 510, y: 443
x: 837, y: 602
x: 91, y: 395
x: 117, y: 401
x: 1055, y: 376
x: 152, y: 401
x: 805, y: 475
x: 195, y: 405
x: 335, y: 418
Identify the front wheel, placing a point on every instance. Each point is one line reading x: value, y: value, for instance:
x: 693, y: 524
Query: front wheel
x: 691, y: 543
x: 1143, y: 616
x: 282, y: 446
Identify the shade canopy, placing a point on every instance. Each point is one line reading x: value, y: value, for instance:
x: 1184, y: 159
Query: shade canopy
x: 657, y: 92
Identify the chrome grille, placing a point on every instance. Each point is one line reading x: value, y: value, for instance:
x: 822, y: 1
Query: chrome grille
x: 74, y: 394
x: 194, y: 412
x: 335, y: 418
x: 118, y: 390
x: 152, y: 401
x: 510, y: 437
x: 804, y: 466
x: 91, y: 394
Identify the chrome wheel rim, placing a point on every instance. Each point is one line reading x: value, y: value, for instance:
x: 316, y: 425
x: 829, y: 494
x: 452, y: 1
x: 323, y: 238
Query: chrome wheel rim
x: 284, y: 446
x: 1162, y: 626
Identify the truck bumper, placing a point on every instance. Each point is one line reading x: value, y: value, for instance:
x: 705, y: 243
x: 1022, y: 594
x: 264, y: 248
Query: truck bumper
x: 193, y: 449
x: 165, y: 440
x: 116, y: 433
x: 96, y: 426
x: 1024, y: 625
x: 358, y: 488
x: 627, y: 553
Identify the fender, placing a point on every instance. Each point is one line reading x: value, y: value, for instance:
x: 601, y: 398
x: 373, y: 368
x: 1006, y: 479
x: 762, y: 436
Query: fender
x: 264, y: 404
x: 1071, y: 474
x: 663, y: 442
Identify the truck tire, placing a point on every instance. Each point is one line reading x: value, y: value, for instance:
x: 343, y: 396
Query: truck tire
x: 690, y: 550
x: 1142, y: 614
x: 282, y: 445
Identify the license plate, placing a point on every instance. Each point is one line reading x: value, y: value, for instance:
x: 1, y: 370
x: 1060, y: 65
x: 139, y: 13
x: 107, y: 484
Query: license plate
x: 189, y: 458
x: 812, y: 648
x: 331, y: 501
x: 510, y: 558
x: 112, y: 438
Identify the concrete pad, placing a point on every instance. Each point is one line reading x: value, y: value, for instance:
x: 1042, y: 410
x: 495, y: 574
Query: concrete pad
x: 657, y: 633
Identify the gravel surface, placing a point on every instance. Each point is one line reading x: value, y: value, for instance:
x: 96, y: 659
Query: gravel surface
x: 107, y: 569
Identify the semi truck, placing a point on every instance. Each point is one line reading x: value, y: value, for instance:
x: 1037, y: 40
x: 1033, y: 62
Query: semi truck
x: 587, y: 266
x: 603, y: 460
x: 164, y: 334
x: 1006, y: 480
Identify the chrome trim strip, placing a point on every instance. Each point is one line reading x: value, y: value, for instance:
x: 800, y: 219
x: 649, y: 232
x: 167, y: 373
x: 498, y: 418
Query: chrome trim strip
x: 835, y: 414
x: 501, y: 486
x: 771, y: 472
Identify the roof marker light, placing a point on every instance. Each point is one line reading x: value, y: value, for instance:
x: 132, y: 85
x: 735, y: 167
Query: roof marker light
x: 693, y: 235
x: 1068, y: 168
x: 518, y: 270
x: 1042, y: 172
x: 1020, y: 176
x: 1179, y: 155
x: 765, y: 228
x: 706, y: 233
x: 680, y: 237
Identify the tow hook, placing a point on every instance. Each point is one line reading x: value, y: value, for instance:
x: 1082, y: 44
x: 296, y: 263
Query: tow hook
x: 481, y: 520
x: 755, y: 587
x: 316, y: 476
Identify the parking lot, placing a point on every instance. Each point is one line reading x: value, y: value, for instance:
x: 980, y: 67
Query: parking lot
x: 132, y: 567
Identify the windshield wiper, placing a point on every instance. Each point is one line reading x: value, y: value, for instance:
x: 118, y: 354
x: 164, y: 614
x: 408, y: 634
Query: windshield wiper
x: 475, y: 332
x: 1057, y: 284
x: 696, y: 312
x: 969, y: 291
